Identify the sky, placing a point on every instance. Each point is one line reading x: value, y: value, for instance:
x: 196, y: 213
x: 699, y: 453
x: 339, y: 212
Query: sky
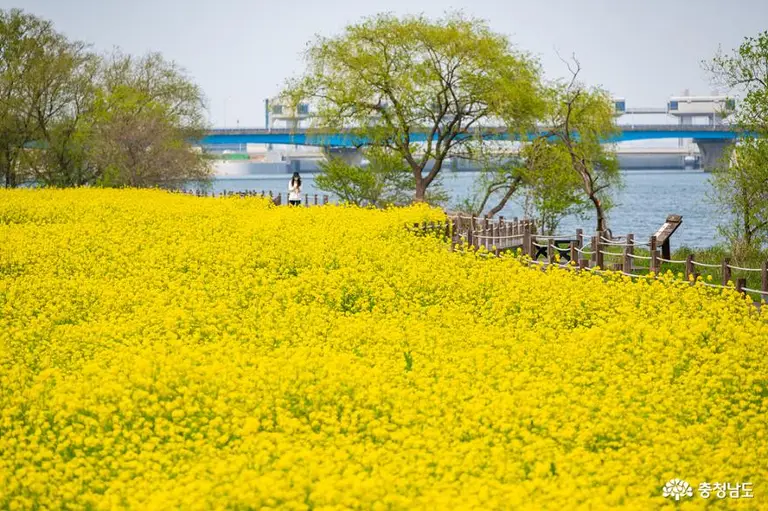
x: 242, y: 51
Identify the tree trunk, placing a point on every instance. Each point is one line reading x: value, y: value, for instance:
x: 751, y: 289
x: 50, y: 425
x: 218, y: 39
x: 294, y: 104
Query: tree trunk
x: 423, y: 182
x: 421, y: 185
x: 5, y: 167
x: 503, y: 202
x: 602, y: 225
x: 745, y: 212
x: 421, y: 190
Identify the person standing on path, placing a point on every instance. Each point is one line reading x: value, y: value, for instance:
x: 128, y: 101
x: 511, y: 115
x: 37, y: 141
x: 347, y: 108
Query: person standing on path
x: 294, y: 190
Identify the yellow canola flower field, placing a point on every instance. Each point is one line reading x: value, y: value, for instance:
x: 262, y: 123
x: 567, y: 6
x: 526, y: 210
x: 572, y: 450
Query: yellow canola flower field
x: 160, y: 351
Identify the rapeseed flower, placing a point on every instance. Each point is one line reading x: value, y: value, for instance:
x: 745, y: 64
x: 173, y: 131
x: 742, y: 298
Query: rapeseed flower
x: 161, y: 351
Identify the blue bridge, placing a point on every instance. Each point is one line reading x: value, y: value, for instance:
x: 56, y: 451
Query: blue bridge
x: 310, y: 137
x: 711, y: 139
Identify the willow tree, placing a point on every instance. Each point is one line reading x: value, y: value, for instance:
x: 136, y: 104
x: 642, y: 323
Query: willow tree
x: 419, y: 87
x: 580, y: 119
x: 146, y: 112
x: 35, y: 62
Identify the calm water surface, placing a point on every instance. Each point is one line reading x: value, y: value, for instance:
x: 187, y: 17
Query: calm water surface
x: 646, y: 200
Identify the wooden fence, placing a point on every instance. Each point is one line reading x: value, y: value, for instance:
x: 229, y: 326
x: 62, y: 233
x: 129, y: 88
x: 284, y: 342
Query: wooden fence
x: 597, y: 252
x: 278, y: 199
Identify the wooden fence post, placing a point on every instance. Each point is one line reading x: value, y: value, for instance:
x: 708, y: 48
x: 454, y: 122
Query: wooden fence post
x: 628, y: 252
x: 764, y: 279
x: 572, y: 252
x: 689, y: 270
x: 654, y: 256
x: 315, y: 199
x: 599, y: 249
x: 550, y: 251
x: 325, y: 199
x: 726, y: 271
x: 527, y: 240
x: 456, y: 226
x: 741, y: 283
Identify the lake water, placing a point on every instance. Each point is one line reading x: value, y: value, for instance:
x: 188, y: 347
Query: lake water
x: 641, y: 207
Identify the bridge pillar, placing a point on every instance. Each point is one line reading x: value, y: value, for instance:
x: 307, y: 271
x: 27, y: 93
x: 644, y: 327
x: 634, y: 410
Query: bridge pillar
x: 684, y: 121
x: 712, y: 152
x: 349, y: 155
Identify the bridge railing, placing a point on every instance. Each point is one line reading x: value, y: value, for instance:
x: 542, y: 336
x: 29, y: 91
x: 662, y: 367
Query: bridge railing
x: 482, y: 129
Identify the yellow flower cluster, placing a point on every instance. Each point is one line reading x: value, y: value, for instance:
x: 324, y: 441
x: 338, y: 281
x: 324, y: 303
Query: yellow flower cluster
x: 171, y: 352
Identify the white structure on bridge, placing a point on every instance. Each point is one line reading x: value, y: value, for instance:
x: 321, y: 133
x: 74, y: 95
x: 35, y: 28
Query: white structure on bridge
x: 279, y: 114
x: 289, y: 116
x: 687, y: 109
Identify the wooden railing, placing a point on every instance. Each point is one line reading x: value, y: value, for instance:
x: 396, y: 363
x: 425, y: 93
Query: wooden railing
x: 278, y: 198
x: 596, y: 253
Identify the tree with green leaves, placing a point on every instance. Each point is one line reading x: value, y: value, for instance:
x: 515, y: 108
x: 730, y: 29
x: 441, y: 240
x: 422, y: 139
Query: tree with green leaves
x: 34, y: 61
x: 69, y: 117
x: 420, y: 88
x: 740, y: 183
x: 64, y: 121
x: 145, y: 113
x: 539, y: 174
x: 552, y: 189
x: 580, y: 119
x: 745, y: 71
x: 565, y: 169
x: 385, y: 180
x: 740, y: 189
